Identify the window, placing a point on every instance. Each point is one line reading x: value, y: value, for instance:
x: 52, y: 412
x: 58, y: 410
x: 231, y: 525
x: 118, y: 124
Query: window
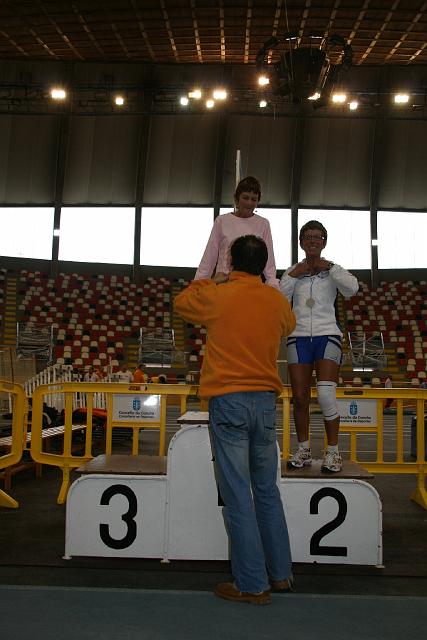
x: 401, y: 240
x: 280, y: 225
x: 26, y: 232
x: 281, y: 231
x: 174, y: 237
x: 98, y: 234
x: 349, y: 236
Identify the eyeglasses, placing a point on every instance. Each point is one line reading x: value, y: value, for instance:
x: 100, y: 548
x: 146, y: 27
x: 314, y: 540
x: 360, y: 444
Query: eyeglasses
x: 310, y: 237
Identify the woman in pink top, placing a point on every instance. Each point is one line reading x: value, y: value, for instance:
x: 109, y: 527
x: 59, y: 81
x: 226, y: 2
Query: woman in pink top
x: 241, y: 222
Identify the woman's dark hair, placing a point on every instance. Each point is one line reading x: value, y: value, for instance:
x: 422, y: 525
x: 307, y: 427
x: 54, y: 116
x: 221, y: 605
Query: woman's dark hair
x: 248, y: 184
x: 313, y: 224
x: 249, y: 254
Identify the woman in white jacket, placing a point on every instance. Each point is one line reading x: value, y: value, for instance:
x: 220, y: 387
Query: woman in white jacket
x: 311, y: 286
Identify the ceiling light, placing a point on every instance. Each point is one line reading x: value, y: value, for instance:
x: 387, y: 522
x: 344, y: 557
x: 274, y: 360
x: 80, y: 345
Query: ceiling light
x: 119, y: 100
x: 315, y: 96
x: 183, y: 101
x: 196, y: 94
x: 339, y: 98
x: 353, y: 105
x: 263, y: 80
x: 220, y: 94
x: 58, y: 94
x: 210, y: 103
x: 401, y: 98
x: 263, y: 104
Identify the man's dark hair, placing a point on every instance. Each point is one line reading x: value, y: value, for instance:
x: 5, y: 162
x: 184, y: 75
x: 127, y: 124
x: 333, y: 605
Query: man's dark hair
x: 249, y: 254
x: 250, y: 185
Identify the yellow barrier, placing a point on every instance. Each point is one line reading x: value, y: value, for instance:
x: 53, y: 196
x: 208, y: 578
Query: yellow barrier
x: 19, y: 422
x: 67, y: 461
x: 118, y: 415
x: 402, y: 397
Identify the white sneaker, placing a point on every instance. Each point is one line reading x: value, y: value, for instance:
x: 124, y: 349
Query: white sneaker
x: 331, y: 463
x: 301, y: 457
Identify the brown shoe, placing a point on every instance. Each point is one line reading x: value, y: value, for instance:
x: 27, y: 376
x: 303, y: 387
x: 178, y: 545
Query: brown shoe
x: 229, y: 591
x: 282, y: 586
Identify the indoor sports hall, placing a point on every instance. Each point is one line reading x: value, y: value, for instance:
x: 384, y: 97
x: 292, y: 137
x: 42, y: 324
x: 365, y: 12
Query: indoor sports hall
x: 126, y: 127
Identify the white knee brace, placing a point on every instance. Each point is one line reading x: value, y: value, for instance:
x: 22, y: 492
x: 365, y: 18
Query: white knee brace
x: 327, y: 399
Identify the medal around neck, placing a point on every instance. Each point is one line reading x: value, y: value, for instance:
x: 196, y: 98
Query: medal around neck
x: 310, y: 302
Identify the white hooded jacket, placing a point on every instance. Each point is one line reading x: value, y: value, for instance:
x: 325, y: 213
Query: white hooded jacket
x: 318, y: 317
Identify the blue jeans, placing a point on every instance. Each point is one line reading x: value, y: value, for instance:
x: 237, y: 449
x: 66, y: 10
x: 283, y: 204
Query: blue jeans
x: 245, y: 448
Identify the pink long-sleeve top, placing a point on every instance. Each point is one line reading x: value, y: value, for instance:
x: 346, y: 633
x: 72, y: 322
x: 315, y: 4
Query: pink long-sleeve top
x: 226, y: 229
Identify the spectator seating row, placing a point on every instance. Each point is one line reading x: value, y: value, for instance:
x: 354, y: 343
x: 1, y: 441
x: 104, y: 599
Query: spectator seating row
x: 93, y: 316
x: 399, y: 311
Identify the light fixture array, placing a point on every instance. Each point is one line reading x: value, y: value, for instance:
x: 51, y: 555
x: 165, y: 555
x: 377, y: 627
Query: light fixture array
x: 60, y: 94
x: 259, y: 95
x: 336, y: 98
x: 218, y: 94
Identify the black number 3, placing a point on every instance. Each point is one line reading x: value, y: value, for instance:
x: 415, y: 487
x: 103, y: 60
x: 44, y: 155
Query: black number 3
x: 315, y: 548
x: 128, y: 517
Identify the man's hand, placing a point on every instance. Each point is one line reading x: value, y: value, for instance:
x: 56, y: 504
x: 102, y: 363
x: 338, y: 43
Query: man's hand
x: 220, y: 278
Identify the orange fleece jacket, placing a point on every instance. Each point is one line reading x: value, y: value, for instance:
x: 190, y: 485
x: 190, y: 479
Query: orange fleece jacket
x: 245, y: 320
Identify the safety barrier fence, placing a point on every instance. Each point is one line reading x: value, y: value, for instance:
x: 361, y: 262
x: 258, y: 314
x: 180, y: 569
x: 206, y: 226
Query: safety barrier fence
x: 134, y: 406
x: 362, y: 412
x: 15, y: 393
x: 143, y: 406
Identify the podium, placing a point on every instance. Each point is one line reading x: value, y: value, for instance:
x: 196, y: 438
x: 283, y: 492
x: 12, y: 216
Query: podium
x: 168, y: 508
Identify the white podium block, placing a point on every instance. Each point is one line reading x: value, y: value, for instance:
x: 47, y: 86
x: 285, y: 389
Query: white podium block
x: 178, y: 516
x: 196, y: 525
x: 116, y: 516
x: 332, y: 520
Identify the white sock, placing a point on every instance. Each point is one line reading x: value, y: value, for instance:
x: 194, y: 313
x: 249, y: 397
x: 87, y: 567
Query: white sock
x: 333, y: 448
x: 304, y: 445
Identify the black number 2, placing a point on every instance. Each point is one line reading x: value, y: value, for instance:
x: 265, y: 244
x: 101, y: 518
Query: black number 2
x: 128, y: 517
x: 315, y: 548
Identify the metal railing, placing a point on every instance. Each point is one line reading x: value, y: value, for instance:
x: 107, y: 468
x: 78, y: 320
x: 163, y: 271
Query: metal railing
x: 367, y: 350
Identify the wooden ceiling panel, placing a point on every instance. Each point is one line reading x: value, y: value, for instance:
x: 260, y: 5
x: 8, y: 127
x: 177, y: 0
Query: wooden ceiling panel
x: 182, y: 31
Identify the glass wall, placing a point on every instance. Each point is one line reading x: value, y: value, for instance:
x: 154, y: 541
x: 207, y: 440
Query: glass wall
x: 177, y: 236
x: 26, y: 232
x: 101, y: 234
x: 174, y: 237
x: 349, y: 236
x: 401, y: 240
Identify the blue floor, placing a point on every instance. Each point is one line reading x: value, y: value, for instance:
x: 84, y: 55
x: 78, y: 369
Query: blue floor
x: 126, y: 614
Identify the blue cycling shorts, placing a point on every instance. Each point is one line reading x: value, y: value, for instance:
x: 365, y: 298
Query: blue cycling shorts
x: 308, y: 350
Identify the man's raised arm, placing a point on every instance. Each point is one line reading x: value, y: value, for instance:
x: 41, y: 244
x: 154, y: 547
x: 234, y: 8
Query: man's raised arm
x: 197, y: 302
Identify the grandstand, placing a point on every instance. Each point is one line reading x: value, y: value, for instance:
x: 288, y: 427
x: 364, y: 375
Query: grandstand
x: 106, y: 319
x: 107, y: 199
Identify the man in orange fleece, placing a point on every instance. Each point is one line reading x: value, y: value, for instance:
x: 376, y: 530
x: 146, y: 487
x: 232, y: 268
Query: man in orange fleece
x: 245, y: 320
